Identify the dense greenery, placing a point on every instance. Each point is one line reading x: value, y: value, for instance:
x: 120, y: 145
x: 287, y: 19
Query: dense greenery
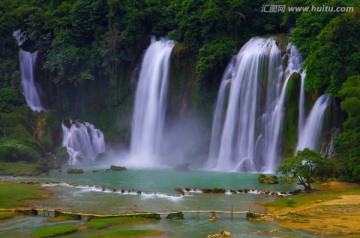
x: 88, y: 50
x: 347, y: 144
x: 305, y: 166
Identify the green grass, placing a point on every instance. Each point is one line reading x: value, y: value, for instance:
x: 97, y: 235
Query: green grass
x: 302, y: 199
x: 130, y: 233
x: 60, y: 218
x: 52, y: 231
x: 19, y: 169
x: 6, y: 215
x: 18, y: 195
x: 100, y: 223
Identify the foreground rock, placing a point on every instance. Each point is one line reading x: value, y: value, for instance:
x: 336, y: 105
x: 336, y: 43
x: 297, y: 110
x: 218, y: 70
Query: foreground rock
x: 221, y: 234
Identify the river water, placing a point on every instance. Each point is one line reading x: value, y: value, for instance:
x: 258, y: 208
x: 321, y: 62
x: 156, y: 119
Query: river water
x: 98, y: 191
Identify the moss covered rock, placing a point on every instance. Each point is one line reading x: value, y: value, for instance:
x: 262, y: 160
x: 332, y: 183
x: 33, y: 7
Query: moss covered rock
x: 117, y: 168
x: 182, y: 87
x: 292, y: 114
x: 272, y: 179
x: 75, y: 171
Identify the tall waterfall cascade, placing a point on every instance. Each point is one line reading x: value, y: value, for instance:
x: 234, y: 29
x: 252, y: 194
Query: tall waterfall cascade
x: 27, y: 69
x: 150, y: 103
x: 82, y: 141
x: 250, y: 108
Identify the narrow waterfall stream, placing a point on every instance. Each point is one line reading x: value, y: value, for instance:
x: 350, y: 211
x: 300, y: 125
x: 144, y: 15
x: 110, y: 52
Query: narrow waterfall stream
x: 150, y: 103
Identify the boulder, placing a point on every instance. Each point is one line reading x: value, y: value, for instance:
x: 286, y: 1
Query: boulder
x: 117, y: 168
x: 225, y: 233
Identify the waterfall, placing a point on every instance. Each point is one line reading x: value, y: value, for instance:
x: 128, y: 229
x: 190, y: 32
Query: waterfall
x: 243, y: 105
x: 27, y: 68
x: 310, y: 134
x: 302, y: 103
x: 329, y: 150
x: 150, y: 103
x: 249, y: 111
x: 295, y: 63
x: 82, y: 141
x: 221, y: 103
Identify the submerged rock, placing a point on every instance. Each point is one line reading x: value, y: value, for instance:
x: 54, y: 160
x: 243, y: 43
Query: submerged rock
x: 75, y: 171
x: 117, y: 168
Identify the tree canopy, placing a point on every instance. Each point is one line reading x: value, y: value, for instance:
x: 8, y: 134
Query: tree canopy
x: 304, y: 167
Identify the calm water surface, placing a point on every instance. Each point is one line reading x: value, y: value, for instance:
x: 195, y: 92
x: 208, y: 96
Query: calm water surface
x: 158, y: 194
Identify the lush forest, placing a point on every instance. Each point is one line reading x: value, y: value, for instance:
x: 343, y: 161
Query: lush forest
x: 89, y: 49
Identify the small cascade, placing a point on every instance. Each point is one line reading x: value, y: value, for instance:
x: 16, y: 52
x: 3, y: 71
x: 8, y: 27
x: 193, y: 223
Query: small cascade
x: 329, y: 150
x: 302, y: 103
x: 310, y: 134
x: 150, y: 103
x: 82, y: 141
x: 295, y: 66
x: 219, y: 115
x: 27, y: 68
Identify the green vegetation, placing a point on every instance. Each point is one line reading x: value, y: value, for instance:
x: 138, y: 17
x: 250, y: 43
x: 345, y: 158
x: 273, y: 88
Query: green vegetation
x: 302, y: 199
x: 175, y: 216
x: 117, y: 168
x: 23, y: 168
x: 61, y: 218
x: 18, y: 195
x: 62, y: 215
x: 131, y: 233
x: 6, y: 215
x: 305, y: 166
x: 75, y: 171
x: 100, y: 223
x: 53, y: 231
x: 88, y: 50
x: 272, y: 179
x: 347, y: 144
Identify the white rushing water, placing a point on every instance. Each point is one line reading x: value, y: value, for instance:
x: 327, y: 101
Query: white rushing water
x: 236, y: 136
x: 82, y: 141
x: 250, y: 108
x: 27, y: 69
x: 150, y: 103
x: 310, y: 134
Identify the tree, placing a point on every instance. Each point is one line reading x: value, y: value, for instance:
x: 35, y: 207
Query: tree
x: 304, y: 166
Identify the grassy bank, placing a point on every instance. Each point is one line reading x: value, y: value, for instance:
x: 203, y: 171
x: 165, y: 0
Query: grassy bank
x: 21, y: 169
x: 307, y: 198
x: 14, y: 194
x: 334, y: 211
